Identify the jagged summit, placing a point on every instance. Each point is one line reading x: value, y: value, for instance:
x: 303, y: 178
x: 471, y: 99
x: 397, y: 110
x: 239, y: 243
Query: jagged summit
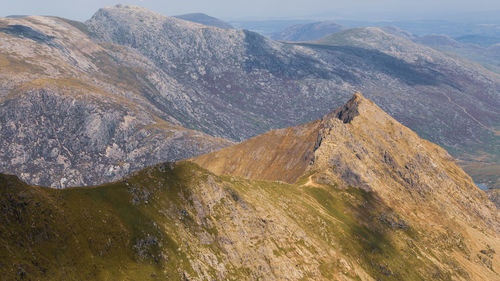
x: 286, y: 154
x: 358, y: 145
x: 347, y: 112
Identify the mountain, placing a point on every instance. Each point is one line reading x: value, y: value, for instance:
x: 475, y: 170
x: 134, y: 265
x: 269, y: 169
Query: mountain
x: 205, y: 20
x: 254, y: 84
x: 307, y: 31
x: 75, y: 112
x: 366, y: 199
x: 231, y: 84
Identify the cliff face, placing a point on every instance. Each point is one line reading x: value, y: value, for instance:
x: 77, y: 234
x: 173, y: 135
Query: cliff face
x: 366, y: 199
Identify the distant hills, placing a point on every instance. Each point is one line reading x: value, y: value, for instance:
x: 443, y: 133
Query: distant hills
x: 352, y: 196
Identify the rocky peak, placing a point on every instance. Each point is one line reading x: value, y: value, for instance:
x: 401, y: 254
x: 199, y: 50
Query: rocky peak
x: 347, y: 112
x: 359, y: 145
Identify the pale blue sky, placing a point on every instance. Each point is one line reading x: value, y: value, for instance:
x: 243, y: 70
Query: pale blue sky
x: 234, y: 9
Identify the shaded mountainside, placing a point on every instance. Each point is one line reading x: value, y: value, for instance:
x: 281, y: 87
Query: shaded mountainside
x: 74, y: 112
x: 308, y: 31
x: 170, y: 74
x: 205, y: 20
x: 360, y: 210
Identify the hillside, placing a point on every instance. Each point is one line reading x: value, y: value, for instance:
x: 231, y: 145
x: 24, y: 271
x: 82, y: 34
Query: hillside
x: 361, y: 210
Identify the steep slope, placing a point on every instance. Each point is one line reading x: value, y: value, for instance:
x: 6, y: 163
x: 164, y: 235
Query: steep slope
x: 205, y: 20
x: 343, y: 219
x: 241, y: 84
x: 278, y: 155
x: 308, y: 31
x: 74, y: 112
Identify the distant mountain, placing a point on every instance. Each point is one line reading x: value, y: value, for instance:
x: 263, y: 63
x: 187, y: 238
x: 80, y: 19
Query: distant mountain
x: 474, y: 48
x: 308, y: 31
x: 205, y: 20
x: 233, y: 84
x: 353, y: 196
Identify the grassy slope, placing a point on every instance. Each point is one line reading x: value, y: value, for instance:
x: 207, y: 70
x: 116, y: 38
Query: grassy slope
x: 96, y: 233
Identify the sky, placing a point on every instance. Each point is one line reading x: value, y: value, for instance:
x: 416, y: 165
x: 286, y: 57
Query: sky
x: 262, y: 9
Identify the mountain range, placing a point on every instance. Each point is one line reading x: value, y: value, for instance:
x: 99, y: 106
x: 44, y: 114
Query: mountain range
x: 353, y: 196
x: 91, y: 102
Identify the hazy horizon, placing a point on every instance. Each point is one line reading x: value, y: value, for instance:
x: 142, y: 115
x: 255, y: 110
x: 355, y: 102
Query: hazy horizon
x: 263, y: 9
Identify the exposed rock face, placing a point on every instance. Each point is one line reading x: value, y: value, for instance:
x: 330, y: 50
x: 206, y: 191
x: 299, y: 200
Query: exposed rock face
x: 308, y: 31
x: 73, y: 112
x: 205, y: 20
x: 372, y: 202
